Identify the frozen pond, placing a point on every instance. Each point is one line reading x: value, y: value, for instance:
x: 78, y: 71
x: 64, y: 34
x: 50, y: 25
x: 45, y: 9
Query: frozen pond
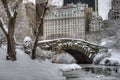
x: 94, y: 72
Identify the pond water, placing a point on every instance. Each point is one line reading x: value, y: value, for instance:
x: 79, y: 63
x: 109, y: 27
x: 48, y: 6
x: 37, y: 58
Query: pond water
x: 94, y: 72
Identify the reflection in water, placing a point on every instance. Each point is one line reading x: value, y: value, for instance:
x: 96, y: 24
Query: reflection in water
x: 107, y: 71
x: 94, y: 72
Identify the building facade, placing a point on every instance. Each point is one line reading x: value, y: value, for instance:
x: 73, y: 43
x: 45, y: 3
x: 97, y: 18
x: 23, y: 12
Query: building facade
x: 114, y: 13
x: 67, y: 22
x: 96, y: 23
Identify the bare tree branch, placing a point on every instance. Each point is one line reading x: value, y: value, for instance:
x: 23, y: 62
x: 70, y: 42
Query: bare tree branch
x: 38, y: 31
x: 14, y: 3
x: 5, y: 4
x: 7, y: 7
x: 3, y: 29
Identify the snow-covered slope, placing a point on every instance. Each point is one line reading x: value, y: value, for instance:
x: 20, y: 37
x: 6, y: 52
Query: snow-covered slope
x: 27, y: 69
x: 114, y: 59
x: 110, y: 58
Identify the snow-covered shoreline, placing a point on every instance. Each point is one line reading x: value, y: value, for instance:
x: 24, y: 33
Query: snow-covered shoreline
x: 27, y: 69
x: 111, y: 58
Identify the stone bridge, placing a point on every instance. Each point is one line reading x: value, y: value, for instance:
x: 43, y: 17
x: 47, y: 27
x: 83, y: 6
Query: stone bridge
x: 83, y: 51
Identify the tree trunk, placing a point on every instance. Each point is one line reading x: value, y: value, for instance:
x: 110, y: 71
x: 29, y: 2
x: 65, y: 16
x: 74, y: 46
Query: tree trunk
x: 36, y: 40
x: 11, y: 53
x: 10, y: 40
x: 38, y: 31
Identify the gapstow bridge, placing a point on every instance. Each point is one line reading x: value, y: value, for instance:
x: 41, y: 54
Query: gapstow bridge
x: 83, y: 51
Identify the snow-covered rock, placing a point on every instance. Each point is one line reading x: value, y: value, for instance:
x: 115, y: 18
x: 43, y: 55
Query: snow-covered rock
x: 114, y: 59
x: 64, y: 58
x: 27, y: 45
x: 69, y: 67
x: 103, y: 53
x: 98, y: 58
x: 42, y: 55
x: 111, y: 58
x: 109, y: 62
x: 27, y: 39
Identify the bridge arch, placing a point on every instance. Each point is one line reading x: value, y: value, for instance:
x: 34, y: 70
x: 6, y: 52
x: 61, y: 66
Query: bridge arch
x: 80, y: 57
x: 80, y: 54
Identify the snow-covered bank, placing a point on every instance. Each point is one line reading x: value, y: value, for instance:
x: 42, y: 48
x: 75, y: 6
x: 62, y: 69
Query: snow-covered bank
x: 114, y: 59
x: 27, y: 69
x: 69, y: 67
x: 111, y: 58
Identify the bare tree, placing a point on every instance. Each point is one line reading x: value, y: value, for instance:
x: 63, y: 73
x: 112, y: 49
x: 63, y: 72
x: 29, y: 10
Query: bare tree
x: 47, y: 4
x: 11, y: 12
x: 38, y: 29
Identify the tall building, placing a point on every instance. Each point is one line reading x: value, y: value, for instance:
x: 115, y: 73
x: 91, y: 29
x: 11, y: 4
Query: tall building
x: 67, y: 22
x: 96, y: 24
x: 96, y: 21
x: 114, y: 13
x: 96, y: 7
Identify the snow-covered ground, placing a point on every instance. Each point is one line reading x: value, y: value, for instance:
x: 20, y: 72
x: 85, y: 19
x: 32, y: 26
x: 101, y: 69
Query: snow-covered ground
x: 113, y: 59
x: 27, y: 69
x: 110, y: 57
x: 69, y: 67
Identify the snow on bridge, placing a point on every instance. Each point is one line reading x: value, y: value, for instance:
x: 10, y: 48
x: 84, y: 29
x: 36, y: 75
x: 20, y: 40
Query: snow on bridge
x: 72, y: 39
